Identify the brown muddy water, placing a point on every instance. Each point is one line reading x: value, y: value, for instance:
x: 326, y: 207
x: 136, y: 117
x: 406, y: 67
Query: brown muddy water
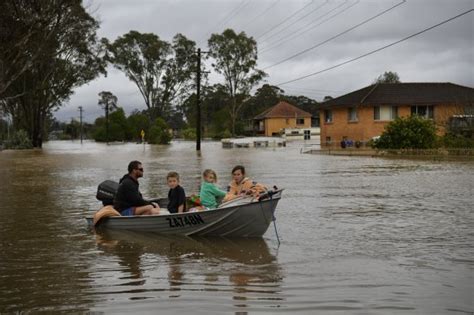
x: 358, y: 236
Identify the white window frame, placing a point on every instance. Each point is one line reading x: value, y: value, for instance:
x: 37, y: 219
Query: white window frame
x: 328, y: 118
x: 386, y: 111
x: 352, y: 114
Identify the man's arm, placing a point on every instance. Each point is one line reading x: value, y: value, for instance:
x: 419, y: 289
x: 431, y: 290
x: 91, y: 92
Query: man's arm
x: 133, y: 196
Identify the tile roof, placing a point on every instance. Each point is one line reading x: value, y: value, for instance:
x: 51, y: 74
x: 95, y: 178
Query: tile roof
x: 405, y: 94
x: 283, y: 110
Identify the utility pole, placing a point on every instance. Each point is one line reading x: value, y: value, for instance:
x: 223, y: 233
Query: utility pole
x: 198, y: 101
x: 80, y: 119
x: 107, y: 122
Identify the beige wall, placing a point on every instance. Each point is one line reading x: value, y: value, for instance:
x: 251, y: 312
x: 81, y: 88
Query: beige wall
x: 366, y: 127
x: 274, y: 125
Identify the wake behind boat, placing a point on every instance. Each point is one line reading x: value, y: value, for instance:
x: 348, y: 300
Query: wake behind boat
x: 241, y: 217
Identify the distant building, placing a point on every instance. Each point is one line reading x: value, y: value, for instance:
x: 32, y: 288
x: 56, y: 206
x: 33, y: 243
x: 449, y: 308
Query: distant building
x: 276, y: 119
x: 363, y: 114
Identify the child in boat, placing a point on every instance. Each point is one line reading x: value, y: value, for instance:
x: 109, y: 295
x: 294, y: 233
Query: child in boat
x: 241, y: 185
x: 210, y: 194
x: 176, y: 195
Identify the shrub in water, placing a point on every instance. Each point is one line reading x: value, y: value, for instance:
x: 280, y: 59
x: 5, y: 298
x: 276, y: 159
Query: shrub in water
x: 411, y: 132
x: 159, y: 133
x: 19, y: 140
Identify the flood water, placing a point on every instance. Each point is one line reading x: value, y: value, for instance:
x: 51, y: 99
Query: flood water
x: 358, y: 235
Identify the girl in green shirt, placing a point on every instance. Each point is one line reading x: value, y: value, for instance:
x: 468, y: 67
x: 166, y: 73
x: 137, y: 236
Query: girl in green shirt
x: 210, y: 193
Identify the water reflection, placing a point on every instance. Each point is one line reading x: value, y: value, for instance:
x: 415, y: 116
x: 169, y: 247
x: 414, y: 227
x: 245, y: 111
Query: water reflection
x: 245, y: 268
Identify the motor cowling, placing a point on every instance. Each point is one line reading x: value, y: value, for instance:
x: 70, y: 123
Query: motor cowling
x: 106, y: 192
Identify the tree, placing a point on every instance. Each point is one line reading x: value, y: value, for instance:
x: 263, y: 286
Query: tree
x: 108, y: 102
x: 214, y: 110
x: 66, y: 55
x: 388, y: 77
x: 137, y: 122
x: 265, y: 97
x: 159, y: 133
x: 25, y: 30
x: 235, y: 58
x: 161, y: 71
x: 412, y: 132
x: 118, y: 127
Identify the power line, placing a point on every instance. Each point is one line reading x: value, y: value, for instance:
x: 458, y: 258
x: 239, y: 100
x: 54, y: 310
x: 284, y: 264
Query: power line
x: 291, y: 36
x: 312, y: 90
x: 265, y: 11
x: 301, y: 18
x: 228, y: 17
x: 335, y: 36
x: 378, y: 49
x: 284, y: 21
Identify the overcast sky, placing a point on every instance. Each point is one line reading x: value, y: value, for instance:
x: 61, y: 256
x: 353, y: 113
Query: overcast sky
x: 287, y: 27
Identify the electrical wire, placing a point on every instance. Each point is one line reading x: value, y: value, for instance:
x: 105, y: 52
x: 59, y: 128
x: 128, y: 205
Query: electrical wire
x: 265, y: 11
x: 378, y: 49
x: 335, y: 36
x: 227, y: 18
x: 300, y: 19
x: 283, y: 22
x: 291, y: 36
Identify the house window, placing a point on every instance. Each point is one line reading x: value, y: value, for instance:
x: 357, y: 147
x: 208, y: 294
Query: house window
x: 300, y: 121
x: 352, y: 114
x: 328, y: 140
x: 423, y: 111
x: 327, y: 115
x: 385, y: 112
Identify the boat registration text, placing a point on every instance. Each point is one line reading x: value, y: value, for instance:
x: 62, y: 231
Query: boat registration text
x: 189, y: 220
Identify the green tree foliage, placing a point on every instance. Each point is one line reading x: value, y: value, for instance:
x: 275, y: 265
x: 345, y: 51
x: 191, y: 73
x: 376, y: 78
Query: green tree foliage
x: 214, y: 110
x: 58, y: 40
x: 388, y: 77
x: 161, y: 71
x: 451, y: 140
x: 159, y: 133
x: 265, y: 97
x: 189, y: 134
x: 118, y: 127
x: 18, y: 141
x: 412, y: 132
x: 137, y: 122
x: 235, y: 57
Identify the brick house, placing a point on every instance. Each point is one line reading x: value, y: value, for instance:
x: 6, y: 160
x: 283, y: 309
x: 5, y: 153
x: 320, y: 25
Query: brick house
x: 283, y: 115
x: 363, y: 114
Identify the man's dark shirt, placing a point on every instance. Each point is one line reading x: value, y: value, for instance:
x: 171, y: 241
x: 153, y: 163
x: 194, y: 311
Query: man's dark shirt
x: 128, y: 194
x: 176, y: 198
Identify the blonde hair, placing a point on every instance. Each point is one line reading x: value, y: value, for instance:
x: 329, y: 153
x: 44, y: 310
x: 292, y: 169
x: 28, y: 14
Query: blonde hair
x: 210, y: 172
x: 172, y: 175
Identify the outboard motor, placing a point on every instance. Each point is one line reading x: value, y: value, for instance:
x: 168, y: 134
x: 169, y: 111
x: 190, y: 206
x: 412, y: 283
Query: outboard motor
x: 106, y: 192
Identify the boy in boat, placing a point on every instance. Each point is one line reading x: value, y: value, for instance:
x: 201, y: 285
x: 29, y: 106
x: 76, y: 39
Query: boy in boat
x: 128, y: 200
x: 210, y: 194
x: 241, y: 185
x: 176, y: 195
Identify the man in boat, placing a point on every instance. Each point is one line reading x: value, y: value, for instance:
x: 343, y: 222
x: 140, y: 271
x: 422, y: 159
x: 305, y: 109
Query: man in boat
x: 128, y: 200
x: 241, y: 185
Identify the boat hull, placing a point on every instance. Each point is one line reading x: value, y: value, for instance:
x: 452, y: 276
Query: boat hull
x: 243, y: 220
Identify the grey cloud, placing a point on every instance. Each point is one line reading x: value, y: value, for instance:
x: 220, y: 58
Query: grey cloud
x: 442, y: 54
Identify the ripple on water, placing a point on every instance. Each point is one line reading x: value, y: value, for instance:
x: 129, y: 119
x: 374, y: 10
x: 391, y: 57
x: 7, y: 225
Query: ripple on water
x: 359, y: 235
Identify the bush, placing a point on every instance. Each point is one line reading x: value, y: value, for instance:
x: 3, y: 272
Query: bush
x: 19, y: 140
x: 189, y: 133
x: 456, y: 141
x: 412, y: 132
x: 159, y: 133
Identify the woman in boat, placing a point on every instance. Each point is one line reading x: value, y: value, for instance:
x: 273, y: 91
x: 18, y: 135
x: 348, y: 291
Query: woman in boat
x: 241, y: 185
